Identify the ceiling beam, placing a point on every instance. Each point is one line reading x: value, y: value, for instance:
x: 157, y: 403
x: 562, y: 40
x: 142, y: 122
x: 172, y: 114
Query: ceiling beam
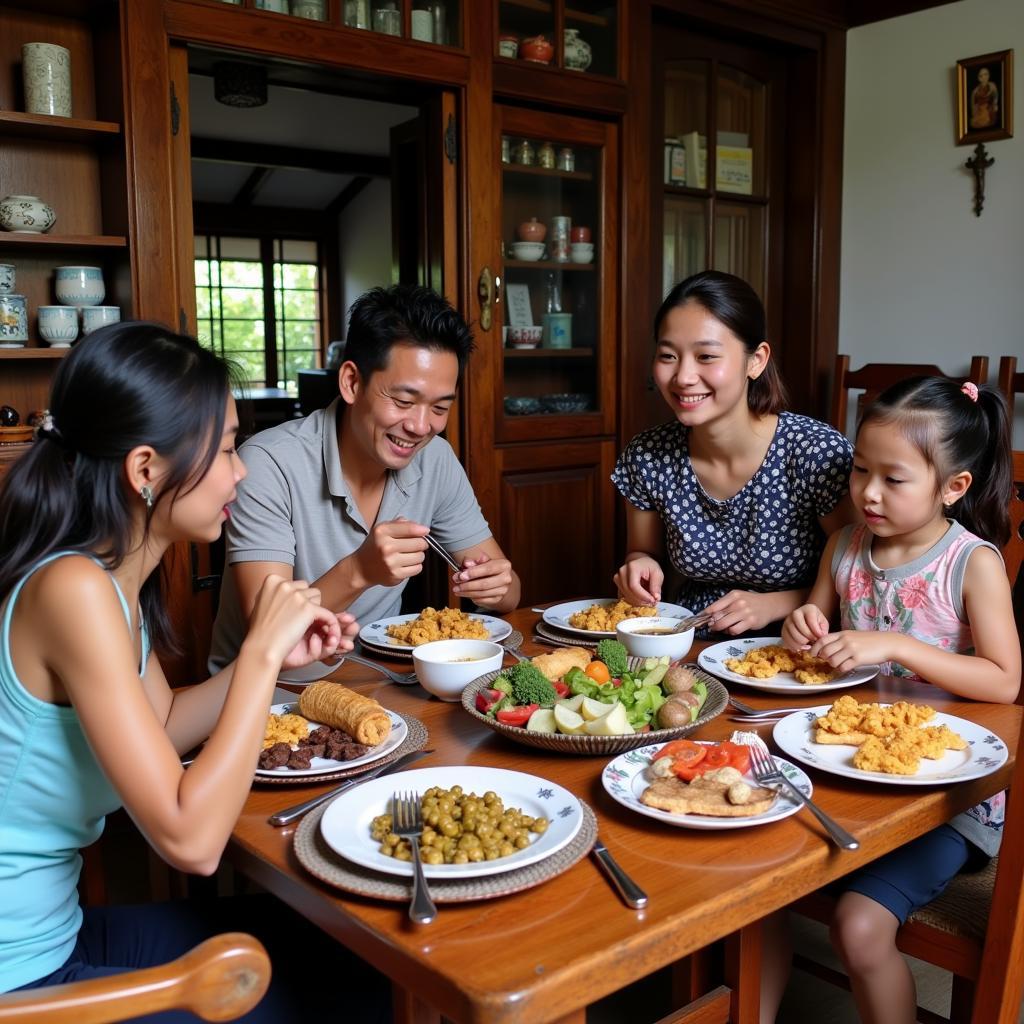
x: 346, y: 195
x: 252, y: 185
x: 260, y: 154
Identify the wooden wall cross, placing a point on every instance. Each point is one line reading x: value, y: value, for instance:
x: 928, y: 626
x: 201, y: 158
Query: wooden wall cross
x: 978, y: 164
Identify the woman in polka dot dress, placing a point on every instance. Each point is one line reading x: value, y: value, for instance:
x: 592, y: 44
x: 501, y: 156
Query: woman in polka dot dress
x: 738, y: 494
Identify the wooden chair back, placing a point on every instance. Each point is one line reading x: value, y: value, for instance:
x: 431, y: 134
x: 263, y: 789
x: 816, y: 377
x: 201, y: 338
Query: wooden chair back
x: 220, y: 979
x: 873, y: 378
x: 1011, y: 381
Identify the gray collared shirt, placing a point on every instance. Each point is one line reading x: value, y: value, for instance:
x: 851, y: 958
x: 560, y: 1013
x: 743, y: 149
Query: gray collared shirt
x: 296, y: 507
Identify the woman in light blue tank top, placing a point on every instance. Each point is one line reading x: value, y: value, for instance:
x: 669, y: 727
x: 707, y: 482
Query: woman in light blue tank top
x: 137, y: 453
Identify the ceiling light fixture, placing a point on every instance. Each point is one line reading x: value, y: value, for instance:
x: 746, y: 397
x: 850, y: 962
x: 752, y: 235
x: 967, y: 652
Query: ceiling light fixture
x: 240, y: 85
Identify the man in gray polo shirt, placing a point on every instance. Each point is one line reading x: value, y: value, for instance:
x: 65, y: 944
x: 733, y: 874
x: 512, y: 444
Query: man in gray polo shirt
x: 345, y: 496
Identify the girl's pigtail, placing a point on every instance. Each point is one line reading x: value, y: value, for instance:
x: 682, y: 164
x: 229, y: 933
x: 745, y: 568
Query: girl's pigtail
x: 985, y: 508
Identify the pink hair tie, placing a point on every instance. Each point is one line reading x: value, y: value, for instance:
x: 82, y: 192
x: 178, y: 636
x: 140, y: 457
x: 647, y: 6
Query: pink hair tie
x: 970, y: 389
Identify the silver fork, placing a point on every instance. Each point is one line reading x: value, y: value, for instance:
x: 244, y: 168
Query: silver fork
x: 407, y: 823
x: 767, y: 773
x: 749, y: 712
x: 402, y: 678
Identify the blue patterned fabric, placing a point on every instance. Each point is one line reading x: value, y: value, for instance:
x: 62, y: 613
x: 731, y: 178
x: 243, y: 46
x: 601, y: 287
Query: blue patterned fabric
x: 764, y: 538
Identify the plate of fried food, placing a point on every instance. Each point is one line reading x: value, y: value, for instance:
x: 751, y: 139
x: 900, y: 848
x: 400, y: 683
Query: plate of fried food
x: 700, y: 785
x: 401, y: 633
x: 764, y: 664
x: 903, y: 744
x: 478, y: 821
x: 598, y: 617
x: 329, y: 728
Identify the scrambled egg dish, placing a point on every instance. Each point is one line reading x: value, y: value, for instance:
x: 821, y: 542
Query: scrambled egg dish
x: 605, y: 617
x: 446, y: 624
x: 285, y: 729
x: 767, y: 662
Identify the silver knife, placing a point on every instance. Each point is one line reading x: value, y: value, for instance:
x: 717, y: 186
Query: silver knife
x: 631, y: 893
x: 289, y: 814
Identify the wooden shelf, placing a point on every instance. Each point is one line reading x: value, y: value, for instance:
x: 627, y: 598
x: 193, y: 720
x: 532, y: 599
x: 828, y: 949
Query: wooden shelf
x: 548, y: 353
x: 15, y: 124
x: 29, y: 240
x: 31, y: 352
x: 719, y: 194
x: 546, y: 172
x: 584, y: 16
x: 546, y: 265
x: 543, y: 6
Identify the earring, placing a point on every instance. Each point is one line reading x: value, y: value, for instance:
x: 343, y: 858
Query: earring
x: 146, y: 493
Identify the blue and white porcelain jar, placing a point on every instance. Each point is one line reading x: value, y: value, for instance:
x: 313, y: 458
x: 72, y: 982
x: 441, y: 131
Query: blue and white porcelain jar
x: 80, y: 286
x: 26, y: 214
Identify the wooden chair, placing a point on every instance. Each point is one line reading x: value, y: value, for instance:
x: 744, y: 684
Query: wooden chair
x: 975, y: 929
x: 873, y: 378
x: 1010, y: 380
x: 220, y: 979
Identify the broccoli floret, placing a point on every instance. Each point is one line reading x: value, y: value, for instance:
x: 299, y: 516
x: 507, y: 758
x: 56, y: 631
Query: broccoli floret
x: 529, y: 685
x: 502, y: 683
x: 614, y: 655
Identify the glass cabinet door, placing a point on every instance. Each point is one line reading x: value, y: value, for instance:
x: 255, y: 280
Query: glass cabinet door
x: 553, y: 295
x: 715, y: 203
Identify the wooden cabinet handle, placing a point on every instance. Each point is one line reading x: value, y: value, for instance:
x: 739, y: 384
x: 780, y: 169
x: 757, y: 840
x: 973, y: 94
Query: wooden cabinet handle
x: 485, y: 291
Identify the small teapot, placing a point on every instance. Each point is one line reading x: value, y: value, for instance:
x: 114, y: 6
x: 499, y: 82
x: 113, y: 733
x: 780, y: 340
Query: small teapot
x: 537, y: 49
x: 532, y: 230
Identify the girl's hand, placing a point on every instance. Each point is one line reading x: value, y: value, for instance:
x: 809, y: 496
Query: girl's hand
x: 803, y: 627
x: 639, y: 581
x: 312, y: 646
x: 851, y: 648
x: 742, y: 610
x: 288, y: 621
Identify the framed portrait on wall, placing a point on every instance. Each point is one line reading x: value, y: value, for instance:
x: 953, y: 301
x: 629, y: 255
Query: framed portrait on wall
x: 984, y: 98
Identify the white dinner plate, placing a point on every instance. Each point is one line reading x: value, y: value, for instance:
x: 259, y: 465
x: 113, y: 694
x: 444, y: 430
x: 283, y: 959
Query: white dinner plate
x: 376, y: 633
x: 324, y: 765
x: 558, y: 614
x: 712, y: 660
x: 626, y: 777
x: 985, y: 752
x: 345, y: 825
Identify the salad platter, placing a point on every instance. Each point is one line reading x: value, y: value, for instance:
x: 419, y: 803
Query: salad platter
x: 584, y: 697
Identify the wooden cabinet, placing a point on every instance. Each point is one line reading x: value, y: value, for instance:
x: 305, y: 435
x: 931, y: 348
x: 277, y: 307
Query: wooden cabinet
x: 76, y: 164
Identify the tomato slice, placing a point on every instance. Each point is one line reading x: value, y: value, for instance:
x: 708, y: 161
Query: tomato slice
x: 716, y: 757
x: 561, y: 689
x: 739, y: 756
x: 683, y: 751
x: 518, y: 715
x: 688, y: 772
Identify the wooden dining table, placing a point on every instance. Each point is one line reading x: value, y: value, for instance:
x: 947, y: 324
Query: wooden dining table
x: 545, y: 954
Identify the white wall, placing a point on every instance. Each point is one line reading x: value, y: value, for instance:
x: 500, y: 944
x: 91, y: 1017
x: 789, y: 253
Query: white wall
x: 922, y: 278
x: 365, y: 232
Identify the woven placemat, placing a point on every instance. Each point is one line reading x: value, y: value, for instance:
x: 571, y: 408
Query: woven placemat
x: 514, y: 639
x: 566, y: 639
x: 321, y: 861
x: 415, y: 739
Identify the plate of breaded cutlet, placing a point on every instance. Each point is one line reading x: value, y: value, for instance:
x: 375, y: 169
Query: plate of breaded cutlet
x: 762, y: 663
x: 903, y: 744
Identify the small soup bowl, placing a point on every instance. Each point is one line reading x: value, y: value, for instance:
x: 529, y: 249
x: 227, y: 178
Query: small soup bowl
x: 652, y: 637
x: 445, y: 667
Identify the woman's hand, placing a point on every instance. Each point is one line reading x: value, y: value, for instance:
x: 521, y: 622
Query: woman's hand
x: 639, y: 580
x: 803, y: 627
x: 292, y: 627
x: 740, y: 611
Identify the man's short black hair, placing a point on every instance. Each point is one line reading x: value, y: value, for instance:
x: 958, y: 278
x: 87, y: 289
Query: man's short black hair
x: 403, y: 314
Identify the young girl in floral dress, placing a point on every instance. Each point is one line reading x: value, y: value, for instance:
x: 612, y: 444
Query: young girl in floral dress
x: 921, y: 589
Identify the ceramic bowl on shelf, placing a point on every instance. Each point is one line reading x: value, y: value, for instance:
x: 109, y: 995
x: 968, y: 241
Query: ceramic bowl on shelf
x: 581, y: 252
x: 58, y: 325
x: 565, y: 402
x: 80, y: 286
x: 27, y: 215
x: 521, y: 405
x: 525, y: 337
x: 530, y: 251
